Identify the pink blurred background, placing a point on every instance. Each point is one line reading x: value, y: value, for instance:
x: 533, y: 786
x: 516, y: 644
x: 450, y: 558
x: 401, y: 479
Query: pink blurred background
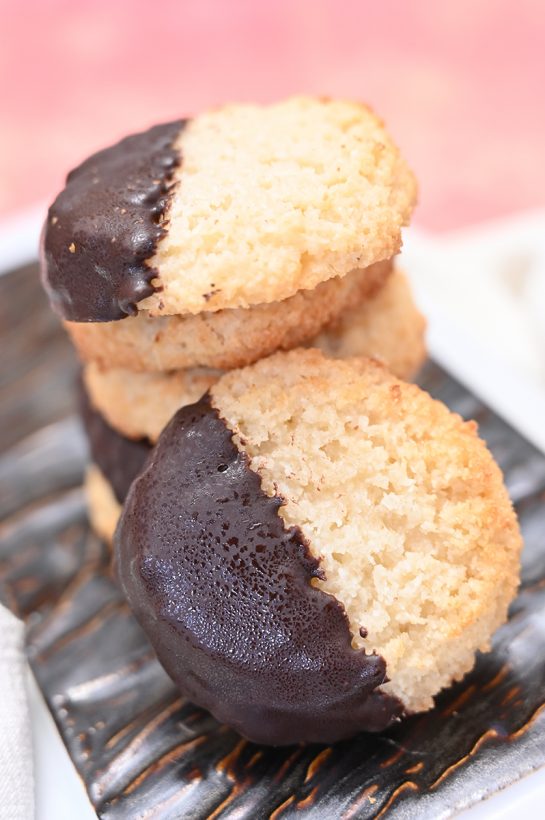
x: 460, y: 83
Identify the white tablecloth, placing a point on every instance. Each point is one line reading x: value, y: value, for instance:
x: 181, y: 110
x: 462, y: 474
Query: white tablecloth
x: 16, y: 764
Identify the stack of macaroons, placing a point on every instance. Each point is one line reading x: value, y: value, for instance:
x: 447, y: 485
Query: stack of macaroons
x: 313, y: 546
x: 203, y: 245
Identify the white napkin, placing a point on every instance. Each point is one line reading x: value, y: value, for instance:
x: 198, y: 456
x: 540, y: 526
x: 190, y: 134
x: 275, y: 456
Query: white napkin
x: 482, y: 290
x: 16, y: 762
x: 490, y: 279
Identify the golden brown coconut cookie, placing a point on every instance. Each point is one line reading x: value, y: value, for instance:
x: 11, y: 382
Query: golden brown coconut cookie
x: 228, y: 338
x: 103, y: 507
x: 313, y: 512
x: 276, y: 199
x: 241, y: 206
x: 388, y: 326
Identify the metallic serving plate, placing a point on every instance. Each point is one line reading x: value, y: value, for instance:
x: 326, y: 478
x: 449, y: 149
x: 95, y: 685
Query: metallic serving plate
x: 144, y: 752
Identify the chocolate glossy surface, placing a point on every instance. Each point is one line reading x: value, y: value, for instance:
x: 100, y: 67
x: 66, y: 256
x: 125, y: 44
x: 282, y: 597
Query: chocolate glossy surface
x: 223, y: 590
x: 118, y: 458
x: 105, y: 225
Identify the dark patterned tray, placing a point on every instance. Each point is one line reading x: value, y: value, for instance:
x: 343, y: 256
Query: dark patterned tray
x: 141, y: 750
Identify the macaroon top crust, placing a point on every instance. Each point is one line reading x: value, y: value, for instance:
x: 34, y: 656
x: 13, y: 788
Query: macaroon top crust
x: 398, y: 498
x: 239, y: 206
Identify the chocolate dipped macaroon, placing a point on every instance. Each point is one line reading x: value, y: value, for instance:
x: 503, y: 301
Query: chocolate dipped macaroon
x: 316, y: 548
x: 241, y: 208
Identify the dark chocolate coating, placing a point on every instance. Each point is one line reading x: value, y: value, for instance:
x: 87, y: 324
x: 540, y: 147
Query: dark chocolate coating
x: 223, y: 590
x: 118, y: 458
x: 105, y: 225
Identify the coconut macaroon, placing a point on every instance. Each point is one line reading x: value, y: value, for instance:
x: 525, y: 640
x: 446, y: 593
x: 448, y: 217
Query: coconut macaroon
x: 388, y: 327
x: 316, y: 548
x: 274, y: 199
x: 241, y: 206
x: 228, y: 338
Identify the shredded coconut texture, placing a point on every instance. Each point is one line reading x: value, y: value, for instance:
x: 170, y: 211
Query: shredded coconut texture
x: 397, y: 496
x: 227, y: 338
x: 274, y: 199
x: 387, y: 326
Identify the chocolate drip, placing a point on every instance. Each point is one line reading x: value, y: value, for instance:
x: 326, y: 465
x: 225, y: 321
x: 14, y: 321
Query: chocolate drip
x: 223, y: 590
x: 105, y: 225
x: 118, y: 458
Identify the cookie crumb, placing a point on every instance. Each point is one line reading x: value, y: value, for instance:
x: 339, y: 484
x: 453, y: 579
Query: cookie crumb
x: 211, y: 294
